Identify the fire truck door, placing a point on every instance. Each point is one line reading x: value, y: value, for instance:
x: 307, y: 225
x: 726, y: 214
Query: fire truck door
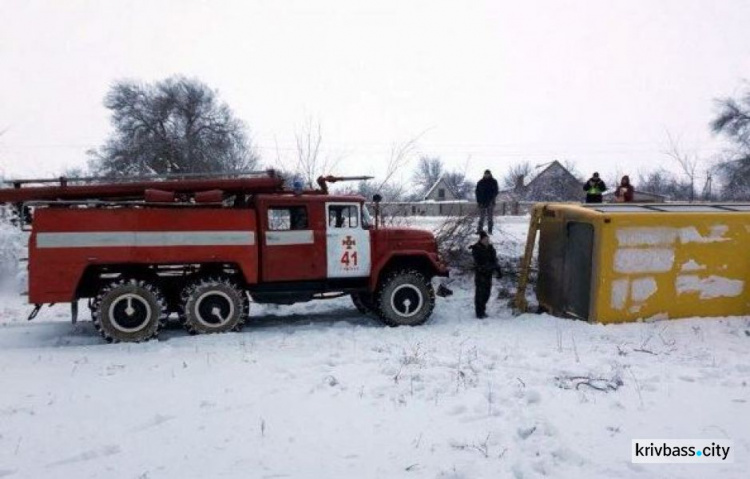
x: 348, y: 243
x: 291, y: 249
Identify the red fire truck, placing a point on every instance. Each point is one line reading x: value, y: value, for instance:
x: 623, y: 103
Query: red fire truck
x: 205, y: 247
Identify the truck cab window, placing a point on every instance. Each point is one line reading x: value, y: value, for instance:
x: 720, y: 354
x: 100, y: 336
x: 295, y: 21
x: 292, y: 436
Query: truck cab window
x: 288, y: 218
x: 343, y: 216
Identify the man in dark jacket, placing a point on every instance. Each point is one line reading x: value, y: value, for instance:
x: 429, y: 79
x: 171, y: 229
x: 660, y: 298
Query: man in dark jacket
x: 486, y: 193
x: 594, y: 189
x: 485, y: 265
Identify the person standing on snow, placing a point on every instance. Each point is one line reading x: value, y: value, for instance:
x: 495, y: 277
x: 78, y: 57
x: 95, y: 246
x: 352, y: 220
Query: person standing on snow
x: 485, y: 265
x: 594, y: 189
x: 486, y: 192
x: 624, y: 192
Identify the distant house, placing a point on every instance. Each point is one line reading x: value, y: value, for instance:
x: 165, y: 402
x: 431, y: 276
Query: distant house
x: 440, y: 191
x: 554, y: 183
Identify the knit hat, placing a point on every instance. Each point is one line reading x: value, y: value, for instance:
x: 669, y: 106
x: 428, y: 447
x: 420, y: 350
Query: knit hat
x: 483, y: 234
x: 487, y: 172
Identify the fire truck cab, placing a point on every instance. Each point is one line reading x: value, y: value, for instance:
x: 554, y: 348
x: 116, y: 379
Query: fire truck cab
x: 204, y: 249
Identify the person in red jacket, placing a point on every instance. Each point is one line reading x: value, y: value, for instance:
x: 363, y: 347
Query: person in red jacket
x: 624, y: 192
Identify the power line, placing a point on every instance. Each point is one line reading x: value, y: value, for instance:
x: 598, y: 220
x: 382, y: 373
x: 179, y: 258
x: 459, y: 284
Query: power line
x: 527, y: 149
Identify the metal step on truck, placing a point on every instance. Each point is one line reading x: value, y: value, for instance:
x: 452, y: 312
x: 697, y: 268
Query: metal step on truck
x: 204, y: 247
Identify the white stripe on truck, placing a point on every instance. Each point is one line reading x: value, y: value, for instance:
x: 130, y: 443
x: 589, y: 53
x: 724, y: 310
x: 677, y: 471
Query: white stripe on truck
x: 286, y: 238
x: 144, y: 239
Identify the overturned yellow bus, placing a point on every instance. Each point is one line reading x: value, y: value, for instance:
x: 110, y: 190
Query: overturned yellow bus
x: 624, y: 262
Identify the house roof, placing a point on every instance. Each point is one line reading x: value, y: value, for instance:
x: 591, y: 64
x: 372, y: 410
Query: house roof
x: 550, y: 166
x: 541, y: 174
x: 440, y: 180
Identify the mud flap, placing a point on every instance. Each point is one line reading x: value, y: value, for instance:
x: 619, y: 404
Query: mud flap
x: 34, y: 311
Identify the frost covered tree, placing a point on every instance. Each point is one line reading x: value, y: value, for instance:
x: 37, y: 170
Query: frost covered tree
x: 177, y: 125
x: 733, y: 122
x: 12, y: 247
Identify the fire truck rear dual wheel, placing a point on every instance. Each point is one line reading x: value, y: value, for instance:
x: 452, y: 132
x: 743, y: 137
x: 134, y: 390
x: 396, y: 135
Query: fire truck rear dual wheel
x: 405, y: 298
x: 129, y: 310
x: 214, y: 305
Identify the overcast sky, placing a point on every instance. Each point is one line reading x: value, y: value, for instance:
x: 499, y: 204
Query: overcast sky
x: 596, y: 82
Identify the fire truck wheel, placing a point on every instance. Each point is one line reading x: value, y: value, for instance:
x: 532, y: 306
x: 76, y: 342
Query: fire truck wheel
x: 129, y: 310
x: 406, y: 298
x: 214, y: 305
x: 363, y: 302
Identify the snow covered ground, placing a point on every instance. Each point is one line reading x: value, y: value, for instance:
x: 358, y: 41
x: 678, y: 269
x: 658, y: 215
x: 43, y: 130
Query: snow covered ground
x: 317, y: 390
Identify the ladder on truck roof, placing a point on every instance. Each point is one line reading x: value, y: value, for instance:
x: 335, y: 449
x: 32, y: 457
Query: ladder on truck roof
x: 64, y: 180
x: 112, y: 189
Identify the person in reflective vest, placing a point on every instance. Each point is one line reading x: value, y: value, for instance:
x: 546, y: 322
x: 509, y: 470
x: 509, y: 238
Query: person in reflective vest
x: 594, y: 189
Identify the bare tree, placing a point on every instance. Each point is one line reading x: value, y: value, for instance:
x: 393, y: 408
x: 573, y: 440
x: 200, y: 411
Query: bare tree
x: 689, y: 163
x: 458, y: 184
x: 516, y: 172
x: 572, y: 167
x: 663, y: 182
x: 400, y: 155
x: 177, y: 125
x: 428, y: 171
x: 451, y: 236
x: 391, y: 187
x: 311, y: 162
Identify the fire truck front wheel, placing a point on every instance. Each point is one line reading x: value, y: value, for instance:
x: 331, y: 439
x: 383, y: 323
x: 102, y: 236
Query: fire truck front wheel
x: 405, y: 298
x: 129, y: 310
x: 214, y: 305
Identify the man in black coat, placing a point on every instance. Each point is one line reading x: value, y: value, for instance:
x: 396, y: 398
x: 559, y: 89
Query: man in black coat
x: 485, y: 266
x: 594, y: 189
x: 486, y: 193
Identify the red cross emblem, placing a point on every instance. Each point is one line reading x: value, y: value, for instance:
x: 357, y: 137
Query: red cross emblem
x: 349, y: 242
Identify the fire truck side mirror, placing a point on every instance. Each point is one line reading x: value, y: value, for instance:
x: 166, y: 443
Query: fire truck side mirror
x: 376, y: 198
